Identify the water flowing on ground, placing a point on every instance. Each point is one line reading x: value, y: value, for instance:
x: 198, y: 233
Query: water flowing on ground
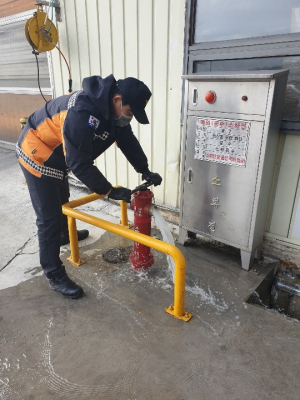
x: 206, y: 296
x: 167, y: 237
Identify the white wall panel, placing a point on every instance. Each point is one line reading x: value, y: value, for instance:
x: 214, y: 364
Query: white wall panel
x: 132, y: 66
x: 82, y: 38
x: 175, y: 62
x: 160, y: 88
x: 286, y: 200
x: 131, y: 37
x: 92, y: 23
x: 104, y: 34
x: 72, y: 44
x: 82, y: 23
x: 59, y: 68
x: 118, y: 56
x: 145, y: 66
x: 139, y: 38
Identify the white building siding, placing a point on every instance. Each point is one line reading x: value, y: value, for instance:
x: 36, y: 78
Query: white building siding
x: 285, y: 213
x: 143, y: 39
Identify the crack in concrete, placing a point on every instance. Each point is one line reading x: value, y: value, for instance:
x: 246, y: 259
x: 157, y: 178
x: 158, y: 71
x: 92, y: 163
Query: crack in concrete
x: 96, y: 208
x: 19, y: 252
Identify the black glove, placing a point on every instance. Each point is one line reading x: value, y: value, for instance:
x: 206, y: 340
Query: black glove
x: 153, y: 177
x: 120, y: 193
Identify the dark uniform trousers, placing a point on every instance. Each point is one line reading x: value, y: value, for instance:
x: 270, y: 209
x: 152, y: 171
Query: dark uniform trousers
x: 47, y: 198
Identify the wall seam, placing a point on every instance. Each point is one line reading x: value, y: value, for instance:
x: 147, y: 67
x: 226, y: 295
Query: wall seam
x: 292, y: 220
x: 167, y: 105
x: 88, y: 35
x: 76, y: 30
x: 112, y: 65
x: 152, y: 79
x: 98, y: 25
x: 68, y: 49
x: 125, y: 72
x: 138, y: 66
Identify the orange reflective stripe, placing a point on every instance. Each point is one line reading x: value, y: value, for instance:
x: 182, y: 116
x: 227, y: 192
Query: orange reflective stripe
x: 31, y: 170
x: 49, y: 132
x: 34, y: 148
x: 39, y: 144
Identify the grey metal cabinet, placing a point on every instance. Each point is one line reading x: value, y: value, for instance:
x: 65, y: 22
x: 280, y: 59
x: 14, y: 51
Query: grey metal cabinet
x: 230, y: 136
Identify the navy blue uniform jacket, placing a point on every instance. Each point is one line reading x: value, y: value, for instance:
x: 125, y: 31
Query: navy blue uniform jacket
x: 71, y: 131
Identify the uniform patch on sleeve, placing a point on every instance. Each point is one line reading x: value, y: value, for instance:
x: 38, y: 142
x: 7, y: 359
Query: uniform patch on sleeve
x: 93, y: 122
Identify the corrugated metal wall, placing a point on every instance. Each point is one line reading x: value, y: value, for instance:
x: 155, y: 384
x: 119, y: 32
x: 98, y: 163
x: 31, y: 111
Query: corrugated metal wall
x: 18, y: 71
x: 143, y: 39
x: 10, y: 7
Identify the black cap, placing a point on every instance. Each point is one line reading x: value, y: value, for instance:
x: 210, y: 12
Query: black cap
x: 137, y: 95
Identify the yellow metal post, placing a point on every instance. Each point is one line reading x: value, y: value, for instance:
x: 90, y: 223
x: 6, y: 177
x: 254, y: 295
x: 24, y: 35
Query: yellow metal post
x: 23, y: 122
x: 74, y: 256
x: 124, y: 215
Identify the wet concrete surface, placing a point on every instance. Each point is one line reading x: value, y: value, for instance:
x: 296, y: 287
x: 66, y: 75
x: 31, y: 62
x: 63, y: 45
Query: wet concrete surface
x: 117, y: 342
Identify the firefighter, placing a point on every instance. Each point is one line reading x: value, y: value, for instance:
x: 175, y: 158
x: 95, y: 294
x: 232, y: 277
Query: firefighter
x: 68, y: 134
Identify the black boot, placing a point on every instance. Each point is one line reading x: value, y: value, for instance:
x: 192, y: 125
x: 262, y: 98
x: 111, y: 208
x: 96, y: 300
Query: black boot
x: 64, y: 239
x: 61, y: 283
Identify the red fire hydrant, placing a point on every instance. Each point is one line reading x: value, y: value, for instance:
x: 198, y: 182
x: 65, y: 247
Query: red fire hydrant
x: 141, y: 258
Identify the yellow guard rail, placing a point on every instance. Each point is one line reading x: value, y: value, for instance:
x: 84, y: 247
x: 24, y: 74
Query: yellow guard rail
x: 122, y: 229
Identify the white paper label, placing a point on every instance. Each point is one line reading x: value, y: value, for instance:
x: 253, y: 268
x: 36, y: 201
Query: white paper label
x: 222, y: 140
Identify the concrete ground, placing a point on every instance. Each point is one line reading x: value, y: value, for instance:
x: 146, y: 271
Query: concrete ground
x: 117, y: 342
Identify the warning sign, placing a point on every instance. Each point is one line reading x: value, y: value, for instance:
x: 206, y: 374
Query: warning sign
x: 222, y: 141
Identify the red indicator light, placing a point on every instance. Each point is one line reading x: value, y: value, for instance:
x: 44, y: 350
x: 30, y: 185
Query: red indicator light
x: 245, y: 98
x: 210, y: 97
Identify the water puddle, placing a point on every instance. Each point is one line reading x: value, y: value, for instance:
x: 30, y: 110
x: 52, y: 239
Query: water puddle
x: 162, y: 277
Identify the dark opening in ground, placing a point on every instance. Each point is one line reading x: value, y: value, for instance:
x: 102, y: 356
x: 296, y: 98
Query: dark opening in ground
x: 279, y: 291
x: 117, y: 255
